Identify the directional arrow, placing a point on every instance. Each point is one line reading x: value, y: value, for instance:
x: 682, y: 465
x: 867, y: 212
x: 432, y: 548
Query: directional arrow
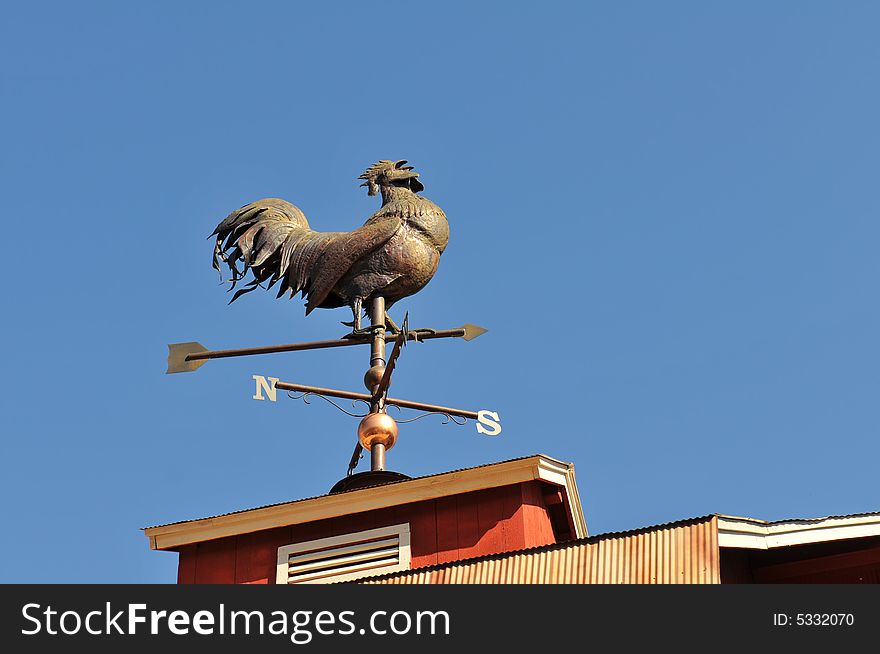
x: 189, y: 357
x: 470, y: 332
x: 181, y: 357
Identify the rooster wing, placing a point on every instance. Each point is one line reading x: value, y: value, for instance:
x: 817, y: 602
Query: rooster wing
x: 273, y: 240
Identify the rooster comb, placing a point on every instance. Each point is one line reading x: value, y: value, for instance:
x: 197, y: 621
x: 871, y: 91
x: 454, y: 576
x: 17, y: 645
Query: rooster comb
x: 372, y: 173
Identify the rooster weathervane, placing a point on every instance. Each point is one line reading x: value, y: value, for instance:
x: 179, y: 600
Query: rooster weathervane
x: 392, y: 256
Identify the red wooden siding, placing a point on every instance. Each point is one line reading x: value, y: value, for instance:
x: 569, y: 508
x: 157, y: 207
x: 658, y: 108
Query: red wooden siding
x: 215, y: 563
x: 535, y: 514
x: 186, y: 565
x: 442, y: 530
x: 256, y: 555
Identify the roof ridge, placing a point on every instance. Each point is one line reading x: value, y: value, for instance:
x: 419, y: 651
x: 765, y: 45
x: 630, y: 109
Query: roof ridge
x: 798, y: 520
x: 353, y: 490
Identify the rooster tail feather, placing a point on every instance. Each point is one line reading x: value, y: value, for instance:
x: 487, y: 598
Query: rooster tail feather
x: 254, y: 236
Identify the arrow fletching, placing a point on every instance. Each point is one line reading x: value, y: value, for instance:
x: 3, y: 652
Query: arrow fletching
x: 472, y: 331
x: 177, y: 353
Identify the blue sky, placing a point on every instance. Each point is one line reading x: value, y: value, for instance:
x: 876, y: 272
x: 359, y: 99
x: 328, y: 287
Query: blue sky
x: 665, y: 213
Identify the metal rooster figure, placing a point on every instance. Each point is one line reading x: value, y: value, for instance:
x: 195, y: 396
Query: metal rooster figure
x: 392, y: 256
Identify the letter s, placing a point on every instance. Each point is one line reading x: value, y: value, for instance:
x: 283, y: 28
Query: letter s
x: 492, y: 422
x: 24, y: 613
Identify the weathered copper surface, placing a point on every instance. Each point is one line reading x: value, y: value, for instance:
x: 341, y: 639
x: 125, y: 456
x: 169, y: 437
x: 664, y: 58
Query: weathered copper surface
x: 377, y: 428
x: 393, y: 255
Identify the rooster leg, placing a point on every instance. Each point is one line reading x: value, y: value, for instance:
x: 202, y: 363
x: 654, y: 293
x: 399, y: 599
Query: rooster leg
x: 356, y: 323
x: 356, y: 331
x: 356, y: 310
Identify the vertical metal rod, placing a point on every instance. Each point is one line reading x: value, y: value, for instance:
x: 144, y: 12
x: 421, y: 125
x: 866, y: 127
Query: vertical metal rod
x: 377, y: 457
x: 377, y: 358
x: 377, y: 319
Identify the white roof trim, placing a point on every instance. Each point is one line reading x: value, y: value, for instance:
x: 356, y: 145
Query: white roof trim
x: 538, y: 467
x: 749, y: 533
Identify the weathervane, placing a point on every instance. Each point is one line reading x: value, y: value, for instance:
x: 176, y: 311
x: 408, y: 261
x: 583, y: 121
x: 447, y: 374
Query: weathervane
x: 392, y: 256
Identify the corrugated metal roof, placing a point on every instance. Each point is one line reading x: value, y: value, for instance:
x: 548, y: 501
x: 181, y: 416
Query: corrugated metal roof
x: 683, y: 552
x: 314, y: 497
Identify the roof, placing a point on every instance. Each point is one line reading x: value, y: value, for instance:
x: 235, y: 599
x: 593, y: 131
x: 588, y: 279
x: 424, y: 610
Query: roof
x: 751, y: 533
x: 684, y: 551
x: 314, y: 497
x: 662, y: 553
x: 528, y: 468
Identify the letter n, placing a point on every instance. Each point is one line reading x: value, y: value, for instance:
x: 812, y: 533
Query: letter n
x: 263, y: 385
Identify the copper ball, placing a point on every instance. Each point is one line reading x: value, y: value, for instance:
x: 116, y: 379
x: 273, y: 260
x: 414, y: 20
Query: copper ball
x: 373, y: 377
x: 377, y: 428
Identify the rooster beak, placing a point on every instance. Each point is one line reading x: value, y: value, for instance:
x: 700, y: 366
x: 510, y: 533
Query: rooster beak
x: 406, y: 172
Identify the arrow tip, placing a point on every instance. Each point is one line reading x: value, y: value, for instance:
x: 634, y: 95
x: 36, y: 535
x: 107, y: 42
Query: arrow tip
x: 472, y: 331
x: 177, y: 353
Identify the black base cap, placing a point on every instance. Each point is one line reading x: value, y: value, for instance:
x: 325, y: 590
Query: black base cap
x: 367, y: 479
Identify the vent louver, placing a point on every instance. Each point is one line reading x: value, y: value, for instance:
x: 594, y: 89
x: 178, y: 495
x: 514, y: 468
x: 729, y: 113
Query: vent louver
x: 347, y: 557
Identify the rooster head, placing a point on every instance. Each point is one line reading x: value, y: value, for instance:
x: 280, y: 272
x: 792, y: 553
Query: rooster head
x: 390, y: 173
